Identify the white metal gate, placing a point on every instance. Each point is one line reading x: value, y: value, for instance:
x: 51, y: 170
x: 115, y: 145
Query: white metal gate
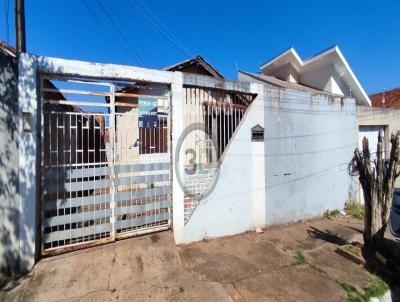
x: 371, y: 133
x: 103, y: 176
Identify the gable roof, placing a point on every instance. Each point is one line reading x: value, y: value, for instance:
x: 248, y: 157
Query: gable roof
x: 386, y: 99
x: 270, y: 80
x: 332, y: 56
x: 196, y: 62
x: 288, y: 56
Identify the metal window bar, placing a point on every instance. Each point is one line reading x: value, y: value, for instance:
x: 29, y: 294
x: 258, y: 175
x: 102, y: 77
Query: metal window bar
x: 220, y: 113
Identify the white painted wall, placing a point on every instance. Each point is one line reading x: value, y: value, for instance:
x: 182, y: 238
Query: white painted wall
x: 27, y: 102
x: 299, y: 172
x: 9, y: 158
x: 286, y: 73
x: 237, y: 203
x: 309, y: 141
x: 325, y: 78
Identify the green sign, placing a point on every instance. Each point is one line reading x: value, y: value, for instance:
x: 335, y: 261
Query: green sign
x: 148, y: 114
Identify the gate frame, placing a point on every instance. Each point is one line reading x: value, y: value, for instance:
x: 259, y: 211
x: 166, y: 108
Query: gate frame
x: 30, y: 111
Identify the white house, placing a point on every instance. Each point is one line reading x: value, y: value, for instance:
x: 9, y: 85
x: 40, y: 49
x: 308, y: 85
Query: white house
x: 327, y: 71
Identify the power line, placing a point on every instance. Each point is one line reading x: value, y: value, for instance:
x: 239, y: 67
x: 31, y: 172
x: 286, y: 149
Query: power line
x: 165, y: 27
x: 130, y: 34
x: 120, y: 32
x: 105, y: 30
x: 160, y: 30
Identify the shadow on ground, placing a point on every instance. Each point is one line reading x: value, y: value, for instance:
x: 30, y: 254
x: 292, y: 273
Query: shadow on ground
x: 388, y: 271
x: 246, y: 267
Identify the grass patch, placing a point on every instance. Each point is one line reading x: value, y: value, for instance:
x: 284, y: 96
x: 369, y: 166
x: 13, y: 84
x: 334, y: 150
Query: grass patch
x: 299, y: 259
x: 331, y: 214
x: 375, y: 287
x: 355, y: 210
x: 353, y: 249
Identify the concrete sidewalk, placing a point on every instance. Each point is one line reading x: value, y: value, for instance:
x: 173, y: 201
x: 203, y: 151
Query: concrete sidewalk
x: 247, y: 267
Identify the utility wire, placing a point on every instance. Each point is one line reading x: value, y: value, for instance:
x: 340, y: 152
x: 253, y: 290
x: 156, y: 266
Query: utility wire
x: 120, y: 32
x: 165, y: 27
x: 114, y: 14
x: 105, y: 31
x: 160, y: 30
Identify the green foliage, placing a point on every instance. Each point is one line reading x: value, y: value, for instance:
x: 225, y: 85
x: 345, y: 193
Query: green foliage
x: 300, y: 259
x: 355, y: 210
x: 375, y: 287
x: 330, y: 214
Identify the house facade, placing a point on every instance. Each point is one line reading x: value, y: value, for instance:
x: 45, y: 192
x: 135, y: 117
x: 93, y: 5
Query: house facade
x: 270, y: 148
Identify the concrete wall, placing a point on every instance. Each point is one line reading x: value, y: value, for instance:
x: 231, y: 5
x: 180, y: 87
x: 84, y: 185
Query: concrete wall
x: 388, y: 118
x: 9, y: 209
x: 309, y: 139
x: 237, y: 202
x: 297, y: 173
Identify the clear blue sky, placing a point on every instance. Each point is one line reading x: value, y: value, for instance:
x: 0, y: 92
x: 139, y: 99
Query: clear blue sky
x: 224, y: 32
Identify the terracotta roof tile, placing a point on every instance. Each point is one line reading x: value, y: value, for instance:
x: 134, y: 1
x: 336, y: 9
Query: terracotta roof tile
x: 391, y: 99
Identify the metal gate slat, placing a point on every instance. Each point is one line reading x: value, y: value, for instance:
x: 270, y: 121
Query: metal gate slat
x: 144, y: 179
x: 66, y: 173
x: 76, y: 233
x: 75, y: 202
x: 143, y: 193
x: 77, y: 217
x: 77, y: 186
x: 142, y: 167
x: 123, y: 224
x: 136, y: 209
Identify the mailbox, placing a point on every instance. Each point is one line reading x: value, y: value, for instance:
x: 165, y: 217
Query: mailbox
x: 257, y: 133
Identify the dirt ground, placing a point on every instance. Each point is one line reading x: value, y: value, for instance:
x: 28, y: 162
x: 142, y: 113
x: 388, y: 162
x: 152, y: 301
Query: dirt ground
x: 246, y: 267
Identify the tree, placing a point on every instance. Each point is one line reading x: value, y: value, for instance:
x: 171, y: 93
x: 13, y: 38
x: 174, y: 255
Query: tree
x: 377, y: 181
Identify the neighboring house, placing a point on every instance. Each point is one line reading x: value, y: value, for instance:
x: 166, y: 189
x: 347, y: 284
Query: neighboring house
x: 384, y: 115
x: 144, y: 138
x: 196, y: 65
x: 310, y: 132
x: 327, y: 71
x: 281, y: 140
x: 386, y: 99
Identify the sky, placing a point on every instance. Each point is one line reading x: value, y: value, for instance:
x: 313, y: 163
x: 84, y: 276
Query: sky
x: 230, y: 35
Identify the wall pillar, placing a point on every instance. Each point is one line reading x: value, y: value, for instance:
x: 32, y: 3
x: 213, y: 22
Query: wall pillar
x: 177, y: 130
x: 27, y: 104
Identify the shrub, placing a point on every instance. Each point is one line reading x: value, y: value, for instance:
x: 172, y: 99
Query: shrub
x: 355, y: 210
